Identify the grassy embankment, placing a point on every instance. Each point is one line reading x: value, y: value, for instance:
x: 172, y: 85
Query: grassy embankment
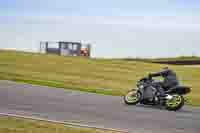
x: 114, y: 77
x: 17, y: 125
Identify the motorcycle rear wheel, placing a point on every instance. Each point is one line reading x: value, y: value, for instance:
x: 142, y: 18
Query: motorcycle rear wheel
x: 176, y: 103
x: 132, y: 98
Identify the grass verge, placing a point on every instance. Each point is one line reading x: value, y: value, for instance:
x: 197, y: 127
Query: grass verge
x: 18, y: 125
x: 106, y: 76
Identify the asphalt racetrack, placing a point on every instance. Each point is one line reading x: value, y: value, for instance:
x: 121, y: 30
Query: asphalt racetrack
x: 94, y: 109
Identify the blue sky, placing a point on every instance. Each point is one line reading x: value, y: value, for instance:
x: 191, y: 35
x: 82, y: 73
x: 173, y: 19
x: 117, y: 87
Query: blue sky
x: 102, y: 7
x: 134, y: 28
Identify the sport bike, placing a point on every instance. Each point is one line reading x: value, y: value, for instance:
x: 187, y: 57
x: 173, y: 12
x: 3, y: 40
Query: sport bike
x: 147, y: 93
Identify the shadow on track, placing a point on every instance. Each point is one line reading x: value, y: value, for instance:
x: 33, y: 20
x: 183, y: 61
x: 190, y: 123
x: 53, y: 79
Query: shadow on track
x: 158, y: 107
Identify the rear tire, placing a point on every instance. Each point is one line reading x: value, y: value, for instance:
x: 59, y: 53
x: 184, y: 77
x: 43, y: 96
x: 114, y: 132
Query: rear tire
x: 132, y: 98
x: 176, y: 103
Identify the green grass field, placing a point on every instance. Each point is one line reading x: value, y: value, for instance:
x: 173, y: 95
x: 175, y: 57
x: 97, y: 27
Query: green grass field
x: 114, y: 77
x: 16, y: 125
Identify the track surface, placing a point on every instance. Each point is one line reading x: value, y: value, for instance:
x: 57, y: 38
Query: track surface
x: 92, y: 109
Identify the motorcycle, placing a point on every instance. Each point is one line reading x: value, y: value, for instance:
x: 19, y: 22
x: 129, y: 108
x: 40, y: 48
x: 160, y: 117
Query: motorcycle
x: 146, y: 93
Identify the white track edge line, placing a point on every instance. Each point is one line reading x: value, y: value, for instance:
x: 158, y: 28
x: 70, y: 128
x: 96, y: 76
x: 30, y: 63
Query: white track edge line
x: 61, y: 122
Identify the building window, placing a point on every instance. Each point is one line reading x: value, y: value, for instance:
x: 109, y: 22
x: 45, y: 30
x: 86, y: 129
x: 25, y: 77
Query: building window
x: 70, y: 46
x: 64, y: 46
x: 75, y: 47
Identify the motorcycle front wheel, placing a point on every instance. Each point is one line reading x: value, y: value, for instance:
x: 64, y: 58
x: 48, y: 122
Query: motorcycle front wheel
x: 132, y: 98
x: 176, y: 103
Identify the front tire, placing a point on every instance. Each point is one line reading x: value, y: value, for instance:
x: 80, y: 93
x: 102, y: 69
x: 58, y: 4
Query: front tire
x: 132, y: 98
x: 176, y: 103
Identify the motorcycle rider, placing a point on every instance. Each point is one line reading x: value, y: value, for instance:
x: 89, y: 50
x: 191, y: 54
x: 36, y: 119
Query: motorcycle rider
x: 170, y: 80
